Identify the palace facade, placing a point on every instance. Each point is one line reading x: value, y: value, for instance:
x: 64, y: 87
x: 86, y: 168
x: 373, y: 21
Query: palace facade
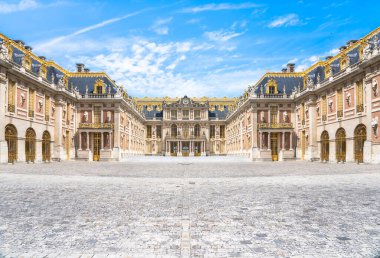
x: 327, y: 113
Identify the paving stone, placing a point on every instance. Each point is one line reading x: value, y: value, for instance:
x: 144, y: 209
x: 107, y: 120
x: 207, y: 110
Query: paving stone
x: 191, y: 208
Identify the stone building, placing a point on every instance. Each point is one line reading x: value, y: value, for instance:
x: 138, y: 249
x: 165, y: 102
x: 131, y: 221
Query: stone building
x: 328, y: 113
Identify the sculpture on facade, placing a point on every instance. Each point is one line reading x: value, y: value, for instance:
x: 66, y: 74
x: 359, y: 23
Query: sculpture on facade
x: 85, y: 116
x: 3, y: 50
x: 40, y: 105
x: 61, y: 82
x: 310, y: 82
x: 374, y: 87
x: 285, y: 117
x: 262, y: 118
x: 22, y: 99
x: 331, y: 105
x: 374, y: 124
x: 318, y: 78
x: 348, y: 99
x: 108, y: 116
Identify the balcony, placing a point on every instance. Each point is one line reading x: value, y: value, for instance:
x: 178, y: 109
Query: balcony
x: 96, y: 126
x: 98, y: 96
x: 275, y: 125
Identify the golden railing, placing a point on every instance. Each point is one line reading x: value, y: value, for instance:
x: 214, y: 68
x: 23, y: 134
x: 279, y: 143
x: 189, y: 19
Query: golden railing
x: 274, y: 125
x: 95, y: 125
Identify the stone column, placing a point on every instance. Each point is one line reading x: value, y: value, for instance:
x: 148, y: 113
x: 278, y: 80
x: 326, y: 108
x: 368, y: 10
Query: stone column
x: 3, y: 142
x: 291, y: 141
x: 283, y: 140
x: 88, y: 141
x: 313, y: 145
x: 59, y: 150
x: 117, y: 129
x: 101, y: 141
x: 80, y: 141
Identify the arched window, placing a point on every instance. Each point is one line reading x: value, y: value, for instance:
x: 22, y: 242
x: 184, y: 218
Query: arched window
x: 340, y: 145
x: 325, y: 146
x: 360, y: 135
x: 174, y: 130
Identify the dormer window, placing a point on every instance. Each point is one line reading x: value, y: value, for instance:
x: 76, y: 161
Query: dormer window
x: 271, y: 89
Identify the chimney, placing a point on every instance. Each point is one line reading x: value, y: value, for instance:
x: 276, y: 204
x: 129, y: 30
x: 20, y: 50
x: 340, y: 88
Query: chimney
x: 20, y: 42
x: 290, y: 67
x: 284, y: 70
x: 80, y: 68
x: 351, y: 42
x: 86, y: 70
x: 42, y: 57
x: 342, y: 48
x: 328, y: 57
x: 29, y: 48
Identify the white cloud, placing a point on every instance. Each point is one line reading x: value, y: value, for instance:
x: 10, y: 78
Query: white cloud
x: 17, y: 7
x: 222, y: 35
x: 285, y: 21
x: 219, y: 7
x: 160, y: 26
x: 333, y: 52
x: 53, y: 42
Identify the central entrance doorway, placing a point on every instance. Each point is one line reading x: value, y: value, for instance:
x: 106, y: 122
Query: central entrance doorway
x: 185, y: 149
x: 173, y: 148
x: 274, y: 146
x: 197, y: 149
x: 96, y: 152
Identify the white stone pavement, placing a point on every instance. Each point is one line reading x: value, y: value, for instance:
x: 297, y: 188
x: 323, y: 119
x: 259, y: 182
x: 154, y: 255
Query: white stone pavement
x: 196, y: 208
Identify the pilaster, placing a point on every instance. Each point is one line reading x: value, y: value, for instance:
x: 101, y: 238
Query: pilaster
x: 3, y: 90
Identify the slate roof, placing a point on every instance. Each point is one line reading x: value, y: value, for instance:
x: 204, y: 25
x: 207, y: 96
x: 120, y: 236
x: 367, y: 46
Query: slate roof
x: 290, y: 83
x: 82, y: 81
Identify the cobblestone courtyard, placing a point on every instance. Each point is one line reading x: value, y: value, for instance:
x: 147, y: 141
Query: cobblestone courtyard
x: 189, y: 208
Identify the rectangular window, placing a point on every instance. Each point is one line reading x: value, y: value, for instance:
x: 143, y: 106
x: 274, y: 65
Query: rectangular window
x: 148, y: 131
x: 212, y: 131
x: 359, y: 97
x: 97, y: 114
x: 31, y: 103
x: 222, y: 131
x: 197, y: 114
x: 158, y: 131
x: 324, y: 108
x: 185, y: 114
x: 273, y: 114
x: 47, y: 108
x: 11, y: 96
x: 340, y: 103
x: 174, y: 114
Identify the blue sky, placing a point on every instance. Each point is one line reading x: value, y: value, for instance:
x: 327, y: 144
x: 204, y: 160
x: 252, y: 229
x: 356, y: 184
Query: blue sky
x: 198, y: 48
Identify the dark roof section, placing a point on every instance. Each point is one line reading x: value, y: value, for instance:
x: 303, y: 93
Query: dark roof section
x: 289, y: 82
x: 217, y: 114
x: 81, y: 82
x: 153, y: 114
